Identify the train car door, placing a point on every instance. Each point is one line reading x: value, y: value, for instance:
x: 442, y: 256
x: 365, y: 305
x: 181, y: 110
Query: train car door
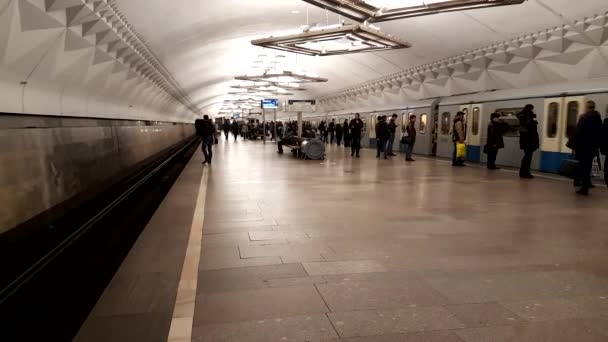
x: 573, y: 108
x: 466, y: 109
x: 474, y: 132
x: 550, y: 137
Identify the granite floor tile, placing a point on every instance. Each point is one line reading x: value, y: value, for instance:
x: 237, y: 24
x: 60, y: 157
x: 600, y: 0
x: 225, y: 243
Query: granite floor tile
x: 434, y: 336
x: 351, y: 295
x: 151, y: 327
x: 343, y: 267
x: 391, y: 321
x: 237, y: 306
x: 293, y: 328
x: 244, y: 278
x: 484, y: 314
x: 561, y: 308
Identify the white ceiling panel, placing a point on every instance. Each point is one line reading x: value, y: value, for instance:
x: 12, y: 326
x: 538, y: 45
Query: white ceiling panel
x: 205, y: 43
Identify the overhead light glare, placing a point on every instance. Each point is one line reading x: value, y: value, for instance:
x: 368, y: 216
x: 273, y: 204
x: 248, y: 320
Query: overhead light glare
x: 384, y: 10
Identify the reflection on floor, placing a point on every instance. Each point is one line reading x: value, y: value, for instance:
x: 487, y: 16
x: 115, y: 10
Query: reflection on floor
x: 376, y: 250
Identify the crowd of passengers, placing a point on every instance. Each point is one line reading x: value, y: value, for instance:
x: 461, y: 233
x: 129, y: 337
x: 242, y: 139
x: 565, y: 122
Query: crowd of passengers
x: 588, y: 141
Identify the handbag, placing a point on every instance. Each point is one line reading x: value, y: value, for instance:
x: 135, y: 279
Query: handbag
x: 461, y: 151
x: 406, y: 140
x: 568, y: 168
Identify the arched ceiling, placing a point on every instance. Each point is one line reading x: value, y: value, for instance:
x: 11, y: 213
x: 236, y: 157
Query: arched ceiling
x: 205, y: 43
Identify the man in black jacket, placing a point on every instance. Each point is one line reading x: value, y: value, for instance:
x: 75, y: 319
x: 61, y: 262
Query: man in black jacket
x: 529, y: 140
x: 332, y: 130
x: 587, y: 141
x: 206, y: 130
x: 382, y: 135
x: 496, y: 129
x: 356, y: 128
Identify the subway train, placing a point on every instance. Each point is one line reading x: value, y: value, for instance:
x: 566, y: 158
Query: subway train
x: 557, y: 108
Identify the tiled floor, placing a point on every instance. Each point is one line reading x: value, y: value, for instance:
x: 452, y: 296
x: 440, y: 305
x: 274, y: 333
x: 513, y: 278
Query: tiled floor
x: 372, y: 250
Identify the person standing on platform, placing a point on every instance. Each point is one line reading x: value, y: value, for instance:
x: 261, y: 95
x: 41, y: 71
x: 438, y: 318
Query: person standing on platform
x: 356, y: 128
x: 392, y: 130
x: 587, y: 140
x: 604, y: 149
x: 458, y: 137
x: 323, y: 131
x: 338, y: 133
x: 332, y: 130
x: 234, y: 128
x: 206, y: 130
x: 495, y: 141
x: 226, y: 128
x: 410, y: 139
x: 346, y: 133
x: 529, y: 140
x: 382, y: 135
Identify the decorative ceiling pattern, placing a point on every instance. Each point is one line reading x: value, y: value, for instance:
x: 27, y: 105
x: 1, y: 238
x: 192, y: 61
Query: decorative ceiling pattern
x: 565, y: 53
x: 82, y: 44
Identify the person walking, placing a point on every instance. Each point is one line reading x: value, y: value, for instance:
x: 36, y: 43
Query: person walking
x: 410, y: 138
x: 587, y: 141
x: 495, y: 141
x: 332, y: 130
x: 244, y: 130
x: 226, y: 128
x: 458, y: 137
x: 234, y: 128
x: 382, y: 135
x: 529, y: 140
x: 356, y: 128
x: 339, y: 132
x: 206, y: 130
x: 323, y: 131
x: 346, y: 133
x: 392, y: 131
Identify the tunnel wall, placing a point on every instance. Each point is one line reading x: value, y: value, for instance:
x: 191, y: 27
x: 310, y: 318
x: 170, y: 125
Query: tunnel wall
x: 48, y: 160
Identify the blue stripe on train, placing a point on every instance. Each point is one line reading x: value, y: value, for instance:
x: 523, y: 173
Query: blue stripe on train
x: 474, y: 153
x: 550, y: 161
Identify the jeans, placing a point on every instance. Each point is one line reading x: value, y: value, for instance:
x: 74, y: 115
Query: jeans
x: 390, y: 144
x: 355, y: 145
x: 583, y: 171
x: 492, y: 159
x: 526, y: 163
x: 409, y: 148
x: 381, y: 147
x: 207, y: 148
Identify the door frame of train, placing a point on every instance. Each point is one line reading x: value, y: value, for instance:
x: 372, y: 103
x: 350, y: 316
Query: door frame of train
x: 564, y: 118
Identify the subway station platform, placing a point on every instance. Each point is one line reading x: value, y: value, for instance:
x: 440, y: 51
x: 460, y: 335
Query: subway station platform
x: 264, y: 247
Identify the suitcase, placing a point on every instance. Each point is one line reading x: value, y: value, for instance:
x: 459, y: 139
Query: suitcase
x: 568, y: 168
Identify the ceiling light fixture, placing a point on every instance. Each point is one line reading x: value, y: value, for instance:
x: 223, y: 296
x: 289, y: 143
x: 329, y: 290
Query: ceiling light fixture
x: 384, y: 10
x: 333, y: 40
x: 282, y: 77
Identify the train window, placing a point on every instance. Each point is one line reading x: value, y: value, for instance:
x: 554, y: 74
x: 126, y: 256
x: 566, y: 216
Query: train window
x: 403, y: 121
x: 445, y: 123
x: 573, y: 110
x: 509, y: 117
x: 475, y: 127
x: 423, y: 121
x: 552, y: 119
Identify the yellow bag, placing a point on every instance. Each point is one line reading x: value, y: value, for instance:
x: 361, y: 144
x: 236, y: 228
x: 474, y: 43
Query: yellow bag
x: 461, y: 151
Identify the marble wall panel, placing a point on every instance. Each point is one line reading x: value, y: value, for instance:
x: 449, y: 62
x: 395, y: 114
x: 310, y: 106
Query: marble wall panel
x: 42, y: 167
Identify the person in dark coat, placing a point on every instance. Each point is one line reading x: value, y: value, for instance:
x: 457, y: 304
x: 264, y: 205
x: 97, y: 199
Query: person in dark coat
x: 206, y: 130
x: 356, y: 128
x: 410, y: 138
x: 496, y: 130
x: 528, y: 139
x: 346, y: 133
x: 382, y: 135
x: 587, y: 141
x: 338, y: 133
x: 332, y: 130
x: 604, y: 149
x: 323, y: 131
x: 234, y: 128
x: 226, y: 128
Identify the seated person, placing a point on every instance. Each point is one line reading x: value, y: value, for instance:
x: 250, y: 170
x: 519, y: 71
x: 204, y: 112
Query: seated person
x: 288, y: 139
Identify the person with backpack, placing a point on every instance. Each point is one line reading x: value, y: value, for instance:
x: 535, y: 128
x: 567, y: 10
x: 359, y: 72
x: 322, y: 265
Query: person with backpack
x: 458, y: 137
x: 206, y: 130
